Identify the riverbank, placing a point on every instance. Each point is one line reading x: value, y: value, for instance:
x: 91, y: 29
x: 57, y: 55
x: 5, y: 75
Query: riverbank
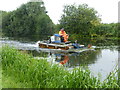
x: 0, y: 76
x: 33, y: 73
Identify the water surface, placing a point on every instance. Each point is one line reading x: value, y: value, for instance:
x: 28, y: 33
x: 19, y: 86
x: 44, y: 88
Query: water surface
x: 102, y: 60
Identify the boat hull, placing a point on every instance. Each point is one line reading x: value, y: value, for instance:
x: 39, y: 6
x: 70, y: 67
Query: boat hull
x: 54, y: 46
x: 63, y: 48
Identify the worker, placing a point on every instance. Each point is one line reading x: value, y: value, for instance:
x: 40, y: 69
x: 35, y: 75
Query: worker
x: 64, y: 36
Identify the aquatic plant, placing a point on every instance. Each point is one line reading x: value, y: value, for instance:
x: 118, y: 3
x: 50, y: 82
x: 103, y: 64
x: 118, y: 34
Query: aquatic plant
x: 35, y: 73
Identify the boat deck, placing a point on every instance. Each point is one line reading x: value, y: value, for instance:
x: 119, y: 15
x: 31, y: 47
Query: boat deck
x: 54, y: 46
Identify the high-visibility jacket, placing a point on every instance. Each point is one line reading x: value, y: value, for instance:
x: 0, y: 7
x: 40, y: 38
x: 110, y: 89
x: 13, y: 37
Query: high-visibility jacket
x: 63, y: 34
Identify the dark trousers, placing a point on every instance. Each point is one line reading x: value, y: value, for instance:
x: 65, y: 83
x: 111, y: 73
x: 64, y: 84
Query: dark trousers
x: 62, y: 39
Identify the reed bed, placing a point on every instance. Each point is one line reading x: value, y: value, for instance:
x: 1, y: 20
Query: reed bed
x: 41, y: 74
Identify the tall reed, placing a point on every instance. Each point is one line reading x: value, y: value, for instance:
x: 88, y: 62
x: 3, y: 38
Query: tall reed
x: 41, y: 74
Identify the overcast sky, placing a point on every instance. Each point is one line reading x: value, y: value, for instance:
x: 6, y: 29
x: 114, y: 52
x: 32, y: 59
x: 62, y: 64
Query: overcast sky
x: 108, y: 9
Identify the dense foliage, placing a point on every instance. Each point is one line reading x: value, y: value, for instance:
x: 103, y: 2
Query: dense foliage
x: 0, y: 23
x: 83, y: 21
x: 108, y: 30
x: 35, y: 73
x: 30, y: 19
x: 79, y: 21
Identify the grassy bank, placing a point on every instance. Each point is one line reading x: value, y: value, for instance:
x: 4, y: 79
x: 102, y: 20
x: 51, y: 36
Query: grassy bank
x: 0, y: 76
x: 0, y: 70
x: 23, y: 71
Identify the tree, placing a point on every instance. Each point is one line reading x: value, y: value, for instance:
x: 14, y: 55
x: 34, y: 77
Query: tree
x: 108, y: 30
x: 79, y: 20
x: 28, y: 20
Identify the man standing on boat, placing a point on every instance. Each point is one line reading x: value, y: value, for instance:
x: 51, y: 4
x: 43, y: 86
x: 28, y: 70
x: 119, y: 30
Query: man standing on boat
x: 63, y: 35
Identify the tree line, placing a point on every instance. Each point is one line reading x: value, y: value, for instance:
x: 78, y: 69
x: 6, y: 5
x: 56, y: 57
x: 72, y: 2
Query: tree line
x: 31, y: 19
x: 83, y: 21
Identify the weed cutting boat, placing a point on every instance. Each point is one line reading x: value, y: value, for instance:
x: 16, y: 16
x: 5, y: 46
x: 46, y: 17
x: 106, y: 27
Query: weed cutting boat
x: 55, y: 43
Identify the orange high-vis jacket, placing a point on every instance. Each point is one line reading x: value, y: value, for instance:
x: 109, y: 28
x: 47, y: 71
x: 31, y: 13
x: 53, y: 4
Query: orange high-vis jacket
x: 63, y: 34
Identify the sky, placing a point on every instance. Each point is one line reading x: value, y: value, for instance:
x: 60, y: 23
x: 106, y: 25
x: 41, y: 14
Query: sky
x: 107, y: 9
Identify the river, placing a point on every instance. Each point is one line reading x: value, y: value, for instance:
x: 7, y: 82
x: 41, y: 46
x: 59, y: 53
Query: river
x: 102, y: 60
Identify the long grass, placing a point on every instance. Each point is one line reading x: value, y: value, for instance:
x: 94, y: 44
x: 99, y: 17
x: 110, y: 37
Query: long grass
x: 0, y: 71
x: 0, y: 77
x: 34, y: 73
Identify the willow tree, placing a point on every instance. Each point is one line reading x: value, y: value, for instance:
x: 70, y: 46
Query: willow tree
x: 79, y: 20
x: 28, y: 20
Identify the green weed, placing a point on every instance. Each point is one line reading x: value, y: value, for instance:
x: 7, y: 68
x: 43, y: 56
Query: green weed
x: 32, y: 73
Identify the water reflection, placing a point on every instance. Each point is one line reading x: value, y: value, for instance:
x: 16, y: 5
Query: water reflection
x: 61, y: 59
x: 69, y: 60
